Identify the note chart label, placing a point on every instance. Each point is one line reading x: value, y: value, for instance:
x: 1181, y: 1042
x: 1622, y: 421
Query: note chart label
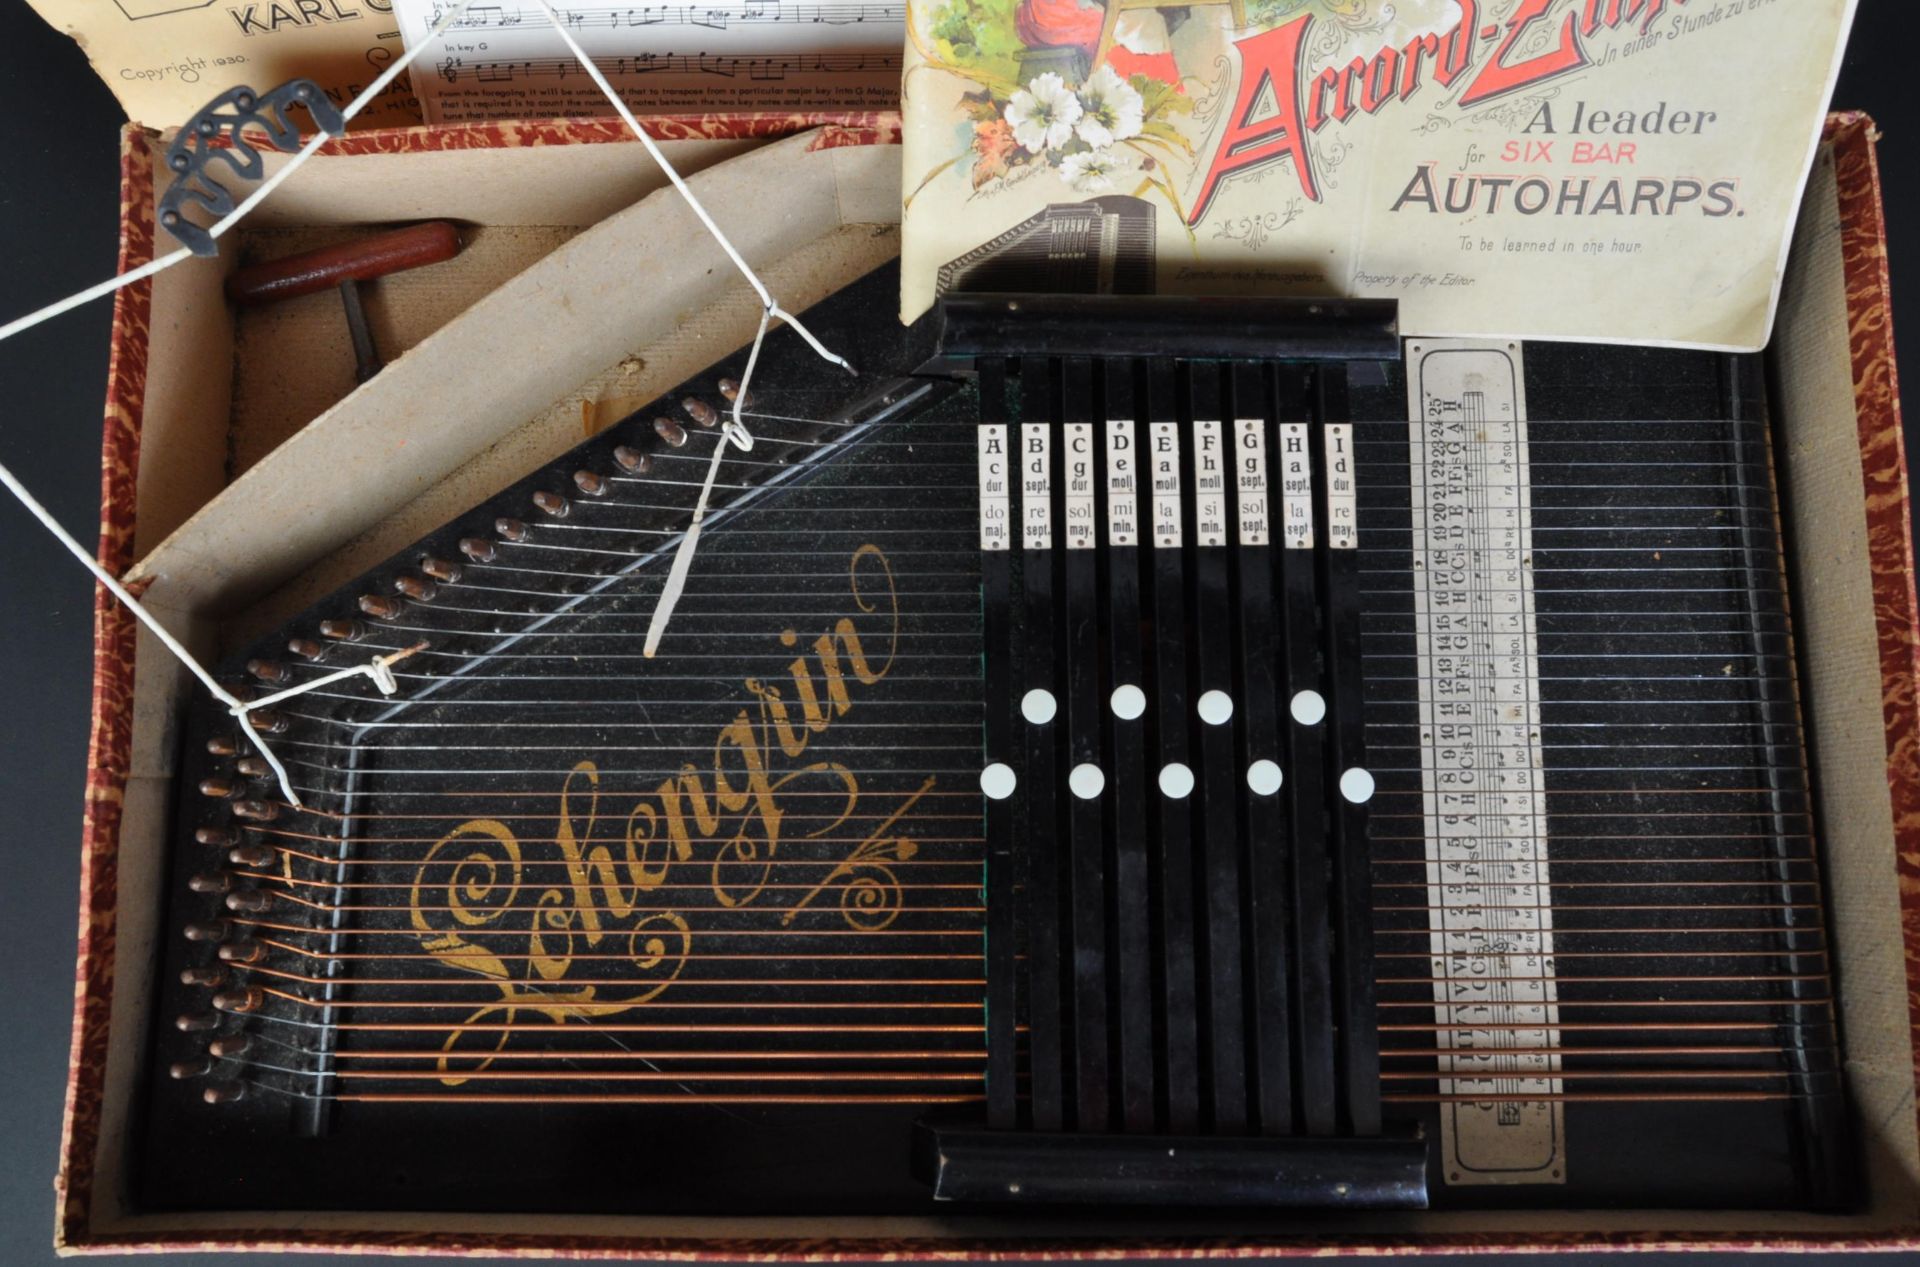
x: 1343, y: 499
x: 1036, y: 486
x: 1123, y: 484
x: 1490, y: 904
x: 1296, y: 487
x: 1079, y: 465
x: 996, y: 498
x: 1210, y: 462
x: 1250, y: 480
x: 1165, y: 465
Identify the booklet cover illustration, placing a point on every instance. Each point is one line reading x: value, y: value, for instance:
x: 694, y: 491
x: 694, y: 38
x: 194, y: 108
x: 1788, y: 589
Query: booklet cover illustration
x: 1484, y: 161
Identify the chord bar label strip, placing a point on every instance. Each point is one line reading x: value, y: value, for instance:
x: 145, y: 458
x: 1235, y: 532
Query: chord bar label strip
x: 1482, y: 765
x: 996, y: 497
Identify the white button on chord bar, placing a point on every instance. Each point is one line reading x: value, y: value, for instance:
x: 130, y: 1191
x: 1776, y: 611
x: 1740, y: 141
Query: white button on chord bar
x: 1264, y: 777
x: 1357, y: 786
x: 1129, y: 702
x: 1216, y: 708
x: 1308, y: 708
x: 1038, y: 706
x: 1176, y: 781
x: 997, y: 781
x: 1087, y: 781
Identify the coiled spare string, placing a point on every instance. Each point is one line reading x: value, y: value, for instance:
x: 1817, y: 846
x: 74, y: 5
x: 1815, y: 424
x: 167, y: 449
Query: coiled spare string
x: 379, y: 669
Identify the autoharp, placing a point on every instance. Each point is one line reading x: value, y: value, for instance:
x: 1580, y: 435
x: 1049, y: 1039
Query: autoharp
x: 1113, y: 751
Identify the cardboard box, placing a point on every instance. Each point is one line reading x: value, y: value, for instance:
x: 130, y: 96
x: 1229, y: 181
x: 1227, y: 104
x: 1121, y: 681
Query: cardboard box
x: 216, y: 507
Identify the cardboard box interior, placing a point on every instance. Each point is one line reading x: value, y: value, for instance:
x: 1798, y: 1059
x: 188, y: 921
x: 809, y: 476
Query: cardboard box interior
x: 584, y: 296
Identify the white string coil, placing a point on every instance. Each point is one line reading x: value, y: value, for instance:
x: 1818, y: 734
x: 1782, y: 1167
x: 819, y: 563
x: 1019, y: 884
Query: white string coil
x: 380, y: 668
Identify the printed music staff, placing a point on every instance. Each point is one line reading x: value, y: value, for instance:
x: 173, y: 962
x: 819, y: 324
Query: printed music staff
x: 502, y: 20
x: 777, y: 66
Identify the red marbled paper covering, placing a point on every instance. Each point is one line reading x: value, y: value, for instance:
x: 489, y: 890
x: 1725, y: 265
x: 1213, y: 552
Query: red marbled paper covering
x: 1886, y: 500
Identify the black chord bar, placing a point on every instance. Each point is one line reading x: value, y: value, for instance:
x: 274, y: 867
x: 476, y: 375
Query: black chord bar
x: 1173, y: 818
x: 1352, y: 782
x: 1306, y: 765
x: 1265, y: 851
x: 1125, y: 719
x: 1077, y: 475
x: 1217, y: 856
x: 1040, y: 780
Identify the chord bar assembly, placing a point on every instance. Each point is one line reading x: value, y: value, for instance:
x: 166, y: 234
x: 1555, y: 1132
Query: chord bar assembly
x: 1179, y: 932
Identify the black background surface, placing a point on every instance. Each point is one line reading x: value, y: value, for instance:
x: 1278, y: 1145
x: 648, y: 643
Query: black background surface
x: 59, y: 198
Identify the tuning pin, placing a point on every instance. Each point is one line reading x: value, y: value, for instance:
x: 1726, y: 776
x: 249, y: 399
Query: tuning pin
x: 416, y: 588
x: 343, y: 630
x: 223, y: 745
x: 219, y: 837
x: 247, y: 998
x: 307, y: 649
x: 670, y: 431
x: 479, y: 549
x: 232, y: 1047
x: 632, y: 460
x: 271, y: 672
x: 196, y: 1022
x: 181, y: 1070
x: 552, y: 504
x: 267, y: 722
x: 219, y: 786
x: 244, y: 950
x: 731, y: 391
x: 208, y: 930
x: 700, y: 411
x: 249, y: 901
x: 224, y: 1092
x: 380, y: 607
x: 589, y: 483
x: 250, y: 856
x: 253, y: 767
x: 257, y: 811
x: 212, y: 976
x: 510, y: 529
x: 440, y: 570
x: 211, y: 882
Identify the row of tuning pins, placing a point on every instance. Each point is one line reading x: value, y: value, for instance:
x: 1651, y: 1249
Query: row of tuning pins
x: 238, y: 800
x: 435, y: 573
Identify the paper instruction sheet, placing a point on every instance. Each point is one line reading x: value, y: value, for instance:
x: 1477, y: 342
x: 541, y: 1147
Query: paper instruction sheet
x: 1614, y: 170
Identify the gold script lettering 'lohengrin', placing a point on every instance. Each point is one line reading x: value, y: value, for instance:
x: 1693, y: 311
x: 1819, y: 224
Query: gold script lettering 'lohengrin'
x: 718, y: 828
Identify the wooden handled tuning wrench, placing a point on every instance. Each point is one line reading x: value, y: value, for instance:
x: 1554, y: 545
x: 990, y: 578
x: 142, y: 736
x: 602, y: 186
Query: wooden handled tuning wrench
x: 344, y: 267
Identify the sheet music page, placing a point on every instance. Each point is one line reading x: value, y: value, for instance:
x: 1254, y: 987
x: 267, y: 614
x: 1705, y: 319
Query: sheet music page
x: 505, y: 60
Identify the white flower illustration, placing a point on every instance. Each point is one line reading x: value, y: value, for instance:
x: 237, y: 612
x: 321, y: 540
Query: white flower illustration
x: 1043, y: 113
x: 1091, y: 171
x: 1110, y: 109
